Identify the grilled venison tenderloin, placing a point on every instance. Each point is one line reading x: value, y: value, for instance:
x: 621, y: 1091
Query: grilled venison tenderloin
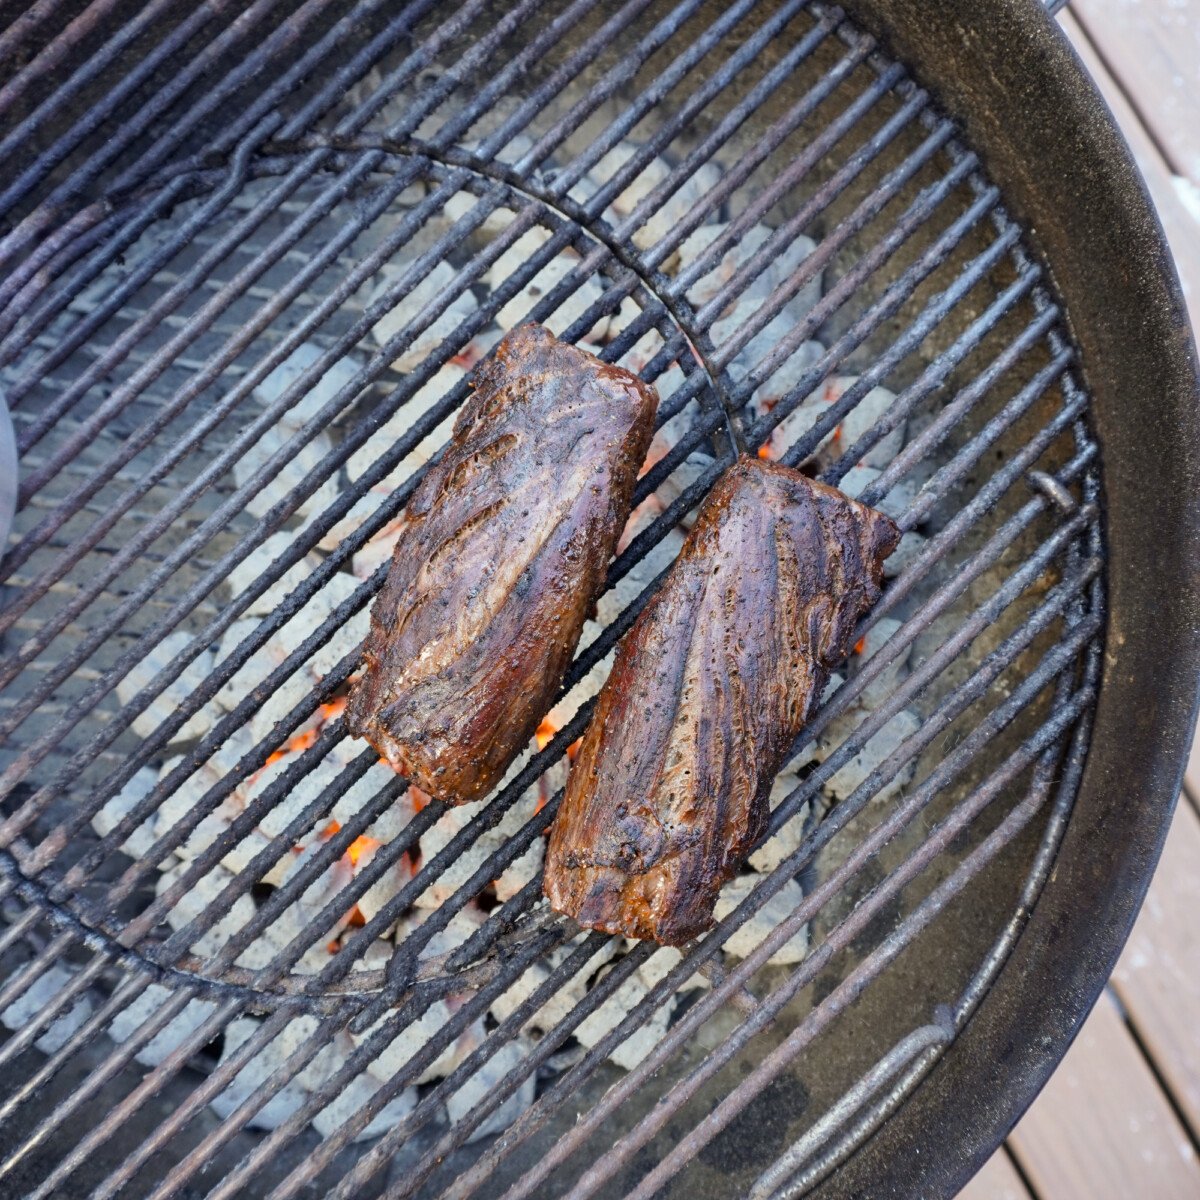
x: 710, y: 687
x: 504, y: 548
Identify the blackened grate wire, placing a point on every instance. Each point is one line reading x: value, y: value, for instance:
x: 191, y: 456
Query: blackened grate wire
x: 243, y: 183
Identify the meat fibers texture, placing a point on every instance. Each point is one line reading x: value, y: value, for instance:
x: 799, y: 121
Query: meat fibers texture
x: 669, y: 790
x: 504, y: 549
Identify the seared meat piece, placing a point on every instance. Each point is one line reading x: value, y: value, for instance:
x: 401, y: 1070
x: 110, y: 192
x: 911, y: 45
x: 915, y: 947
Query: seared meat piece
x: 710, y: 687
x: 504, y: 549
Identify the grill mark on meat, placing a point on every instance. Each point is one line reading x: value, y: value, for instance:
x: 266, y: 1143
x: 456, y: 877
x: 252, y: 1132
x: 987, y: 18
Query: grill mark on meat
x: 503, y: 551
x: 483, y: 458
x: 670, y: 789
x: 457, y: 536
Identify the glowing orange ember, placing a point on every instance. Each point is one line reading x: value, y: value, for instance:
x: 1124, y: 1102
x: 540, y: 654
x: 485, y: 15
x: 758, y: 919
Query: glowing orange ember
x: 419, y: 798
x: 764, y: 452
x: 359, y: 847
x: 860, y: 645
x: 329, y: 830
x: 296, y: 743
x: 307, y: 737
x: 356, y: 918
x: 659, y: 448
x: 829, y: 394
x: 545, y: 732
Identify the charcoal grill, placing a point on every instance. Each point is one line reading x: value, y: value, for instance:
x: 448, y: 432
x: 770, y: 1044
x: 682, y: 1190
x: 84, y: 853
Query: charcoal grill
x: 244, y: 243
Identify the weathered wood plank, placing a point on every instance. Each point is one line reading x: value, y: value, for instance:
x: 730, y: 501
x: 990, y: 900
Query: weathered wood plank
x: 1153, y: 50
x: 1182, y: 229
x: 1102, y: 1129
x: 1158, y: 976
x: 997, y: 1180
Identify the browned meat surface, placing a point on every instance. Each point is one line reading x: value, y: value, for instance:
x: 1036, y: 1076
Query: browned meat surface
x: 504, y: 549
x: 710, y: 687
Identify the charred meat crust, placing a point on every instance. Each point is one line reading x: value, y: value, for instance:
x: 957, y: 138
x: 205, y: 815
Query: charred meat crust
x: 710, y: 687
x: 504, y: 548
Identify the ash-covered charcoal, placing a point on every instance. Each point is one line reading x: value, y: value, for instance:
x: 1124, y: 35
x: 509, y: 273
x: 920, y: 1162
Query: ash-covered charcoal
x: 119, y: 807
x: 495, y: 223
x: 768, y: 395
x: 426, y: 397
x: 750, y: 934
x: 516, y: 310
x: 697, y: 464
x: 185, y: 800
x: 413, y: 1038
x: 463, y: 925
x: 565, y: 1000
x: 337, y: 375
x: 246, y: 573
x: 895, y: 503
x: 786, y: 840
x: 408, y: 309
x: 291, y: 924
x: 198, y: 900
x: 344, y: 639
x: 745, y: 306
x: 355, y: 1096
x: 391, y: 822
x: 362, y: 853
x: 522, y: 871
x: 504, y: 547
x: 126, y: 1023
x: 902, y: 726
x: 179, y: 804
x: 656, y: 226
x: 439, y: 835
x: 868, y: 412
x: 634, y: 1048
x: 613, y: 602
x: 709, y: 689
x: 880, y: 689
x: 664, y: 960
x: 912, y: 546
x: 322, y: 891
x: 485, y: 1080
x: 302, y: 468
x: 166, y: 703
x: 295, y: 799
x: 627, y: 312
x: 735, y: 258
x: 43, y: 991
x: 661, y: 224
x: 252, y: 1077
x: 647, y: 178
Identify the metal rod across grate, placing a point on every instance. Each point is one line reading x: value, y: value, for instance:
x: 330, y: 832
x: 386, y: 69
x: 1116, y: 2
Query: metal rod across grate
x: 247, y: 254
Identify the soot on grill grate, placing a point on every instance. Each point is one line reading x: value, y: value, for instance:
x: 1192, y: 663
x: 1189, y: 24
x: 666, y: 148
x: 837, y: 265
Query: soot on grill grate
x: 242, y: 957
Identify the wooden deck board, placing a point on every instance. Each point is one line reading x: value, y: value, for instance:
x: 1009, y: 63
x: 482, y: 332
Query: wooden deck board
x: 1102, y: 1129
x: 998, y: 1180
x: 1158, y: 977
x: 1181, y: 227
x: 1154, y: 49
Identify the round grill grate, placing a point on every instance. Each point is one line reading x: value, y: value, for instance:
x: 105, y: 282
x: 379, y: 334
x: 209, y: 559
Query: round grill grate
x: 238, y: 945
